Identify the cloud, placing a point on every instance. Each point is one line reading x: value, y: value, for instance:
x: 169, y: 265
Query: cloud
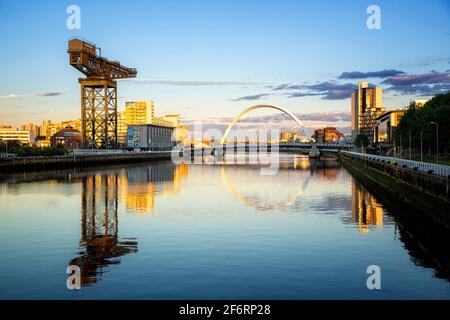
x: 425, y: 84
x: 48, y: 94
x: 171, y: 82
x: 43, y: 94
x: 252, y: 97
x: 417, y: 79
x: 426, y: 61
x: 370, y: 74
x: 328, y: 90
x: 11, y: 96
x: 337, y: 116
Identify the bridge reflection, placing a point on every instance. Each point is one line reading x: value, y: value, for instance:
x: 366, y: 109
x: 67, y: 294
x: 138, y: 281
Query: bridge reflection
x: 297, y: 172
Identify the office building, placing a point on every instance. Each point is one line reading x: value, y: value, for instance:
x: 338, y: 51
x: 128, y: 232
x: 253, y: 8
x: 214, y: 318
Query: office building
x: 11, y: 134
x: 366, y: 106
x: 149, y: 137
x: 143, y: 112
x: 386, y: 126
x: 35, y: 129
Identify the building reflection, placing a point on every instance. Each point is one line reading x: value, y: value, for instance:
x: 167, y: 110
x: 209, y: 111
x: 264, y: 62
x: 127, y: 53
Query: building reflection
x: 142, y: 184
x: 101, y: 194
x: 366, y: 210
x: 425, y: 240
x: 100, y: 227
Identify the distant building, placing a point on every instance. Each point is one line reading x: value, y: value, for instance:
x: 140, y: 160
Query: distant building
x: 328, y: 134
x: 33, y: 128
x: 173, y: 119
x: 149, y: 137
x: 48, y: 129
x: 386, y: 125
x: 181, y: 135
x: 11, y: 134
x: 69, y: 137
x: 74, y: 124
x: 417, y: 104
x: 288, y: 136
x: 366, y: 106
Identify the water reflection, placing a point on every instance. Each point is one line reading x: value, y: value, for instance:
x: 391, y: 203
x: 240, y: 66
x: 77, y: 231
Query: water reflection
x: 100, y: 227
x: 307, y: 195
x: 297, y: 172
x: 366, y: 210
x: 143, y: 183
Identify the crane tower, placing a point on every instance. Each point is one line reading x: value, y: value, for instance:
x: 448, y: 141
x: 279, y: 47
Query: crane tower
x: 98, y: 93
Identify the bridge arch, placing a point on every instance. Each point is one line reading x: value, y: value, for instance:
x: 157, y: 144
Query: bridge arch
x: 262, y: 106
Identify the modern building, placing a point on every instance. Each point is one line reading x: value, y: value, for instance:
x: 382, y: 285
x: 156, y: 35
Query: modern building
x: 141, y: 112
x: 366, y: 106
x: 386, y: 125
x: 149, y: 137
x: 136, y: 112
x: 328, y: 134
x: 69, y: 137
x: 11, y: 134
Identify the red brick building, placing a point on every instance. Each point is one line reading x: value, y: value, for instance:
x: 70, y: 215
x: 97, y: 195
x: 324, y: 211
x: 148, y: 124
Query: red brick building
x: 328, y: 134
x: 68, y: 137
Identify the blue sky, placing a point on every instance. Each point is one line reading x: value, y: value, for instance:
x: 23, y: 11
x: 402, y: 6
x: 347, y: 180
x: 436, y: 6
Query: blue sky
x: 218, y: 57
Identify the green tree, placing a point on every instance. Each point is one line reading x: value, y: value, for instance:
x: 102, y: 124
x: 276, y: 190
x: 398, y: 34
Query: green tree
x: 361, y: 141
x: 418, y: 121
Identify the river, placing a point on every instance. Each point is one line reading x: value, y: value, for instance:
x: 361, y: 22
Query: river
x: 212, y: 231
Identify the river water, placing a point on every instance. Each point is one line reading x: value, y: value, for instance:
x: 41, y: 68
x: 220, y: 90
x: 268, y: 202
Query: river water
x: 212, y: 231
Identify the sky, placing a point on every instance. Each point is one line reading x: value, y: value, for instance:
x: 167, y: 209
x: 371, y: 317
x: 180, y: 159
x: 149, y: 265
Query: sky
x: 210, y: 60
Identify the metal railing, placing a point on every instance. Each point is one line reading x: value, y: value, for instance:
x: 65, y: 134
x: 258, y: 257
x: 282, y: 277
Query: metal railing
x: 7, y: 155
x: 438, y: 169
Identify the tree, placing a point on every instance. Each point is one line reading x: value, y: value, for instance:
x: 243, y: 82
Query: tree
x: 417, y: 122
x: 361, y: 141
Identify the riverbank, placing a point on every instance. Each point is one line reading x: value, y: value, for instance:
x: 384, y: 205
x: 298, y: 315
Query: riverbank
x: 82, y: 160
x: 420, y: 193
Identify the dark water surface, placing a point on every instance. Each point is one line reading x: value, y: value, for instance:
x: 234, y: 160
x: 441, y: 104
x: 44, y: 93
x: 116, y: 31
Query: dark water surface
x: 162, y: 231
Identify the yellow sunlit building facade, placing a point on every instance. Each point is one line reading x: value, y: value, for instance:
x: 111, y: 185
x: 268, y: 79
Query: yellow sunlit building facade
x: 366, y: 210
x: 366, y: 106
x: 143, y: 112
x: 11, y: 134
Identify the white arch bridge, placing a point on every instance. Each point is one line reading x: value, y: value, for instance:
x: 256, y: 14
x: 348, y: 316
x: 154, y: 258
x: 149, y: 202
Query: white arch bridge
x: 263, y: 106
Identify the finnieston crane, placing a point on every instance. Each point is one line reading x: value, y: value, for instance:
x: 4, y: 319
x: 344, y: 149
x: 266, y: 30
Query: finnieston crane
x: 98, y: 93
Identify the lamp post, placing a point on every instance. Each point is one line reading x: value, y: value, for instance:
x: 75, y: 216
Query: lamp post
x: 437, y: 140
x: 409, y: 145
x: 421, y: 145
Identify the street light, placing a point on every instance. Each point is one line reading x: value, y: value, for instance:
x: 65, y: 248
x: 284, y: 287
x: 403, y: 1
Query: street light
x: 437, y: 140
x: 421, y: 145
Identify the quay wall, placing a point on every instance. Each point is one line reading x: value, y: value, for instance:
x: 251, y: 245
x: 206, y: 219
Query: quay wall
x: 411, y: 191
x: 69, y: 161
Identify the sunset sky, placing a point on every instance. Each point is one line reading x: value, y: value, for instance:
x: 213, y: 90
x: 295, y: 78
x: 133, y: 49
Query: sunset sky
x: 211, y: 59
